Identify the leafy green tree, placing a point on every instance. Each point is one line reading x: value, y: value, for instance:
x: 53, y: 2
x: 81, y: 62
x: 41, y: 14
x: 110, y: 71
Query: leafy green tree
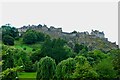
x: 29, y: 37
x: 10, y: 73
x: 36, y: 56
x: 115, y: 54
x: 70, y: 52
x: 16, y: 57
x: 9, y: 30
x: 95, y: 56
x: 8, y: 40
x: 46, y: 69
x: 32, y: 36
x: 105, y: 69
x: 8, y: 59
x: 83, y: 70
x: 28, y: 65
x: 55, y: 49
x: 35, y: 65
x: 40, y: 36
x: 9, y: 33
x: 20, y: 63
x: 65, y: 68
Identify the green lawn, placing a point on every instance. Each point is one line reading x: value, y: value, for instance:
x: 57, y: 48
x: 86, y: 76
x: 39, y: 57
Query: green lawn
x: 27, y: 75
x: 29, y: 48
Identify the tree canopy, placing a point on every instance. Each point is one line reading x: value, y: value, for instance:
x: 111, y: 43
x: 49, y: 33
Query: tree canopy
x: 32, y: 36
x: 46, y: 68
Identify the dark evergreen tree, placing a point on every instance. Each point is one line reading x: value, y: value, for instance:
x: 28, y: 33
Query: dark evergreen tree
x: 55, y: 49
x: 78, y: 47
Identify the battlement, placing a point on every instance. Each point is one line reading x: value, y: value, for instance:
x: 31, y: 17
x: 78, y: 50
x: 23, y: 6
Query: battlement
x: 55, y: 29
x: 58, y: 31
x: 40, y: 27
x: 98, y: 34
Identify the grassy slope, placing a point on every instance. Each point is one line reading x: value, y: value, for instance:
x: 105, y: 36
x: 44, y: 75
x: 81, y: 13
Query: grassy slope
x: 20, y: 45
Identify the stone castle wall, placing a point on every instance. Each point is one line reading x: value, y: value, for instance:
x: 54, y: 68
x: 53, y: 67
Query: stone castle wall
x: 58, y: 31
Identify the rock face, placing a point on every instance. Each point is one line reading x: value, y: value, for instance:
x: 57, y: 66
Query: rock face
x: 94, y: 40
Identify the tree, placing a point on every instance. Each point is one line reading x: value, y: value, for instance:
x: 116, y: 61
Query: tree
x: 95, y: 56
x: 116, y: 60
x: 55, y: 49
x: 83, y: 70
x: 40, y: 36
x: 8, y: 67
x: 65, y: 68
x: 28, y: 65
x: 35, y: 66
x: 46, y: 68
x: 36, y: 56
x: 8, y: 40
x: 29, y: 37
x: 9, y: 30
x: 78, y: 47
x: 32, y: 36
x: 20, y: 62
x: 105, y: 69
x: 74, y: 31
x: 8, y: 59
x: 10, y: 73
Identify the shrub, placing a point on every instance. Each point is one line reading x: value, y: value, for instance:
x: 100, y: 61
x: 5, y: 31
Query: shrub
x: 24, y: 48
x: 33, y: 50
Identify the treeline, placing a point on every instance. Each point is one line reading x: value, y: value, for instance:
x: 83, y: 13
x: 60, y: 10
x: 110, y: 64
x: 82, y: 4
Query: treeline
x: 91, y: 65
x: 55, y: 60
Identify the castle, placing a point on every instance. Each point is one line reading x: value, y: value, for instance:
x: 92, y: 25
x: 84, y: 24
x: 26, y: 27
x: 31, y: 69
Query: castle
x: 53, y: 30
x: 98, y: 34
x: 93, y: 40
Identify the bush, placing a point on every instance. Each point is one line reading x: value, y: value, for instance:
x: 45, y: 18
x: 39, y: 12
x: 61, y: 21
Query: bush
x: 33, y: 50
x: 24, y: 48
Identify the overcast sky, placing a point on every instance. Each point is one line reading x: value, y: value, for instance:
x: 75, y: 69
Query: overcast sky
x: 79, y: 16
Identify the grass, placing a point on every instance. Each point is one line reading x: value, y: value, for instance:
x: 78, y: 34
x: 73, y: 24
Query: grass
x: 27, y: 75
x: 28, y: 49
x: 20, y: 45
